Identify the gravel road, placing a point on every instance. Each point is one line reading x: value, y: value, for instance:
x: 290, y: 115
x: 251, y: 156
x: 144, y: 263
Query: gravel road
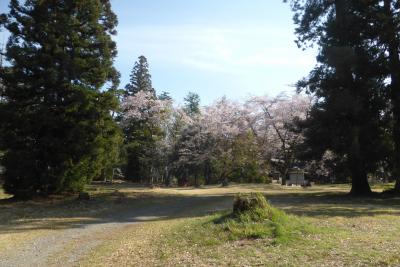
x: 65, y: 247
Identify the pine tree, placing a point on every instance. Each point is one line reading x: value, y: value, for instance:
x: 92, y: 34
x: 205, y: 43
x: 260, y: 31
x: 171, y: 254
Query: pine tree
x: 192, y: 104
x: 348, y: 84
x: 165, y: 96
x: 56, y: 123
x: 388, y: 21
x: 141, y: 134
x: 140, y: 78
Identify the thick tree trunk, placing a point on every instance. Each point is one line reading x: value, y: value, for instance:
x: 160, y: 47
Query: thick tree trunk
x: 359, y: 178
x: 394, y: 65
x: 359, y: 184
x: 396, y: 138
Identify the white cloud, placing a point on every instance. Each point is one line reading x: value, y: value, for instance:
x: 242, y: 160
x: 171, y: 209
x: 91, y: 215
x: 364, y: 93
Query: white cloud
x: 215, y: 49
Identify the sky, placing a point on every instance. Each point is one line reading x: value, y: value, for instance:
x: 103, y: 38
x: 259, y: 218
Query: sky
x: 234, y: 48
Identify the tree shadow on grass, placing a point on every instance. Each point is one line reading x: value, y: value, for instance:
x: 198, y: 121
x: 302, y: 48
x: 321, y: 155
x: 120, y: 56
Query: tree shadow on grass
x: 114, y: 208
x: 335, y: 204
x: 123, y: 208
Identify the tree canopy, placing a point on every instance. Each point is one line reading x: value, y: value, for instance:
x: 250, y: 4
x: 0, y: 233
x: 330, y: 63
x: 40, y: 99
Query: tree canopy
x: 349, y: 82
x: 57, y: 129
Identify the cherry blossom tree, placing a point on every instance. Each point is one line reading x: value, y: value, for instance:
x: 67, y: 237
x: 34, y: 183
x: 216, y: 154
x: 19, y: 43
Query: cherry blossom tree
x: 144, y: 107
x: 273, y: 122
x: 225, y: 140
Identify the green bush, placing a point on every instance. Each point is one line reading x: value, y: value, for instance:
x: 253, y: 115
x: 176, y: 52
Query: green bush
x: 252, y: 202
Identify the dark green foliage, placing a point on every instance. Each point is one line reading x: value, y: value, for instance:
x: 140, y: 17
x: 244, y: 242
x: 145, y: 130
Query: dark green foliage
x: 347, y: 117
x: 141, y: 135
x: 246, y: 164
x: 245, y: 203
x: 192, y: 104
x: 140, y: 148
x: 56, y: 123
x: 140, y: 79
x: 387, y: 21
x: 165, y: 96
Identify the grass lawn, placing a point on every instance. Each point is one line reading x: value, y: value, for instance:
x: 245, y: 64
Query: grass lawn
x: 342, y: 231
x: 336, y: 230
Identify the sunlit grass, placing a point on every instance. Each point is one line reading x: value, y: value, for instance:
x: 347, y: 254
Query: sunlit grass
x: 332, y: 230
x: 3, y: 195
x: 318, y: 226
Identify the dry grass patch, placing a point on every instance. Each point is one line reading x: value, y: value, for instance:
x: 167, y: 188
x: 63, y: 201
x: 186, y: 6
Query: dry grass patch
x: 21, y: 222
x: 135, y: 245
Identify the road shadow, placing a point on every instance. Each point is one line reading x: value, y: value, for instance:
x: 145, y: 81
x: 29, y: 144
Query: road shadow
x: 109, y: 208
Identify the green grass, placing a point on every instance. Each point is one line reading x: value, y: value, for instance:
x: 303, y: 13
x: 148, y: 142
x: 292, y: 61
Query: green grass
x: 221, y: 228
x: 320, y: 226
x: 211, y: 238
x: 293, y: 241
x: 261, y: 220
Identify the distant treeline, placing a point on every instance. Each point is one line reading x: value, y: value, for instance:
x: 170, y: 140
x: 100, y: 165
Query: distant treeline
x: 64, y: 121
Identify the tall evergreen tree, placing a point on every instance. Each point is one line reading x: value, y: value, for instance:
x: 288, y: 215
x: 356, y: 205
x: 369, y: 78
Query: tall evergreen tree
x: 165, y: 96
x: 347, y: 82
x: 141, y: 134
x: 192, y: 104
x: 140, y: 78
x: 56, y: 123
x: 388, y: 22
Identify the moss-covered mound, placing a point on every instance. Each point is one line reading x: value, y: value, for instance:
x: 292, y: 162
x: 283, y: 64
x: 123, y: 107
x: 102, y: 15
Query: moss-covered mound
x: 248, y: 203
x: 254, y: 217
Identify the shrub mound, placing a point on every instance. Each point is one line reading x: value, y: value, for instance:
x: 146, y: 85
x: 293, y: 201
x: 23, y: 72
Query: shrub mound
x: 253, y: 217
x: 248, y: 203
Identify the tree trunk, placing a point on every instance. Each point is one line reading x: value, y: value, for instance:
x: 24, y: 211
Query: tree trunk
x: 207, y: 175
x: 151, y: 176
x: 394, y: 66
x: 359, y: 184
x: 284, y: 176
x: 167, y: 177
x: 286, y: 165
x: 359, y: 178
x: 396, y: 139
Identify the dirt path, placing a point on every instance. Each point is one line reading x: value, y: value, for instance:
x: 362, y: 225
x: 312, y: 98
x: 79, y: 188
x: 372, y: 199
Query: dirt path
x: 67, y: 246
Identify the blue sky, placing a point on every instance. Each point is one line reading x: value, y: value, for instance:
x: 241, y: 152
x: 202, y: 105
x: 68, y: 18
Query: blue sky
x: 212, y: 47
